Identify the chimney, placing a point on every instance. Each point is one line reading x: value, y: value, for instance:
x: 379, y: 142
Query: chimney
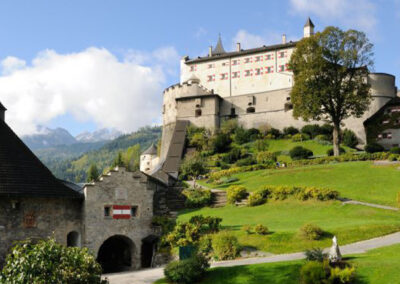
x: 2, y: 112
x: 210, y: 51
x: 283, y: 38
x: 238, y: 48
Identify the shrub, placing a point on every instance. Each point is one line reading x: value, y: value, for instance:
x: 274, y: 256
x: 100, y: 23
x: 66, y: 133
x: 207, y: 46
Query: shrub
x: 349, y: 138
x: 265, y: 157
x: 246, y: 162
x: 330, y: 151
x: 314, y: 272
x: 261, y: 145
x: 233, y: 155
x: 261, y: 229
x: 49, y: 262
x: 241, y: 136
x: 299, y: 152
x: 274, y: 132
x: 312, y: 130
x: 300, y: 137
x: 315, y: 254
x: 205, y: 245
x: 311, y: 232
x: 342, y: 275
x: 229, y: 126
x: 395, y: 150
x: 253, y: 134
x: 255, y: 198
x: 290, y: 130
x: 225, y: 245
x: 373, y: 148
x: 327, y: 130
x: 322, y: 138
x: 186, y: 271
x: 393, y: 157
x: 196, y: 198
x: 192, y: 166
x: 221, y: 142
x: 236, y: 193
x: 247, y: 229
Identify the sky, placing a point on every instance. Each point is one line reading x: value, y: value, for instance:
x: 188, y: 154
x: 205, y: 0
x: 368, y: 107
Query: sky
x: 84, y: 65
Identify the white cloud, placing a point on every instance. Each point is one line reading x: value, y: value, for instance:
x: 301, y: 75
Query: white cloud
x: 359, y: 14
x: 92, y: 85
x: 200, y: 32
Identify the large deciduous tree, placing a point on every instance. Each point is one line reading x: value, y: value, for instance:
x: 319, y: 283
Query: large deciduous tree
x: 330, y: 77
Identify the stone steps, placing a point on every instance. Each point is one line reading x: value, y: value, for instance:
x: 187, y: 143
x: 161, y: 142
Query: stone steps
x: 219, y: 198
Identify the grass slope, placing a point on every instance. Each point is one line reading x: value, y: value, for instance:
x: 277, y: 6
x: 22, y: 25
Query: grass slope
x: 376, y: 266
x: 349, y: 223
x: 356, y: 180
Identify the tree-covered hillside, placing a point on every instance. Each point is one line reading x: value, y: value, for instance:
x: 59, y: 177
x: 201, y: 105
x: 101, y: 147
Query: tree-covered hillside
x: 74, y: 168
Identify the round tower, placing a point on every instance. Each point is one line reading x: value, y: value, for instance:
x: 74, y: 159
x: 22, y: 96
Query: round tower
x: 149, y: 159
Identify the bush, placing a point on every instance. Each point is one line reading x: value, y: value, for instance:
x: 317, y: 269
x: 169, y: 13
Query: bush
x: 246, y: 162
x: 311, y: 232
x: 299, y: 152
x: 312, y: 130
x: 314, y: 272
x: 233, y: 155
x: 373, y: 148
x: 395, y: 150
x: 225, y: 246
x: 261, y: 229
x: 241, y: 136
x: 349, y: 138
x: 221, y: 142
x: 204, y: 245
x: 342, y: 275
x: 315, y: 254
x: 247, y: 229
x: 229, y: 126
x: 261, y: 145
x: 265, y: 157
x: 255, y: 199
x: 236, y: 193
x: 196, y: 198
x: 253, y: 134
x: 49, y: 262
x: 393, y: 157
x: 275, y: 133
x: 290, y: 130
x: 330, y: 151
x: 299, y: 137
x: 186, y: 271
x: 322, y: 138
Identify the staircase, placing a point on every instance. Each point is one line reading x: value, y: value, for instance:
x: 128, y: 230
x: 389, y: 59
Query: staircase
x: 175, y: 198
x: 218, y: 198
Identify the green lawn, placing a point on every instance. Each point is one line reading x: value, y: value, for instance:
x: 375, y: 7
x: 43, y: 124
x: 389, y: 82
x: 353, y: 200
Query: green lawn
x: 356, y: 180
x: 349, y: 223
x: 379, y: 266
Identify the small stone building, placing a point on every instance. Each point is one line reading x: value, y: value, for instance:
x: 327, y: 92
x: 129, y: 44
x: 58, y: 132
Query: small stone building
x: 112, y: 216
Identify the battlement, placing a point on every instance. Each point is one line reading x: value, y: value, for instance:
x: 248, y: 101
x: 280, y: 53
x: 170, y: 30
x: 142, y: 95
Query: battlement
x: 187, y: 89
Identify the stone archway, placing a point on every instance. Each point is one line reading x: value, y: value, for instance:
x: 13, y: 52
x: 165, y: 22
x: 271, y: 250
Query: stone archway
x: 116, y: 254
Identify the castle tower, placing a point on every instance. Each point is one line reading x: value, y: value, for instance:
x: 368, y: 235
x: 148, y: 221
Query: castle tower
x: 219, y: 49
x: 308, y: 28
x: 149, y: 159
x: 2, y: 112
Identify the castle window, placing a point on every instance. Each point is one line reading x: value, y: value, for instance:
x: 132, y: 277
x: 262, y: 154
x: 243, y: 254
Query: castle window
x: 163, y: 109
x: 258, y: 58
x: 210, y: 78
x: 233, y: 112
x: 193, y: 68
x: 107, y: 211
x: 258, y: 71
x: 210, y: 66
x: 247, y: 60
x: 236, y: 74
x: 288, y: 106
x: 250, y: 100
x: 268, y: 56
x: 236, y: 62
x: 197, y: 112
x: 281, y: 68
x: 250, y: 110
x: 248, y: 72
x: 224, y: 76
x: 282, y: 54
x: 134, y: 210
x: 287, y: 67
x: 225, y: 63
x: 269, y: 69
x: 288, y: 98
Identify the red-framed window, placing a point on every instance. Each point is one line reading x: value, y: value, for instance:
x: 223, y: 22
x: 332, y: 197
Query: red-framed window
x: 281, y: 68
x: 258, y: 58
x: 235, y: 62
x: 269, y: 56
x: 258, y: 71
x: 235, y: 74
x: 269, y: 69
x: 223, y: 76
x: 282, y: 54
x: 248, y: 72
x: 248, y: 60
x: 193, y: 68
x: 211, y: 78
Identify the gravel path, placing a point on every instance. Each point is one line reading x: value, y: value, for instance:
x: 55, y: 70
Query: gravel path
x: 151, y: 275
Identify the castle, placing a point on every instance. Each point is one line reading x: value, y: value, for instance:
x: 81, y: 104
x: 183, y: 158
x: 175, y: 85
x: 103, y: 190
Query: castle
x: 254, y: 85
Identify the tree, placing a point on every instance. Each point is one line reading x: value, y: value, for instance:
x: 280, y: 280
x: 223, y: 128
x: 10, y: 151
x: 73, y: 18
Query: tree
x: 193, y: 166
x: 92, y: 173
x: 330, y: 77
x: 50, y: 262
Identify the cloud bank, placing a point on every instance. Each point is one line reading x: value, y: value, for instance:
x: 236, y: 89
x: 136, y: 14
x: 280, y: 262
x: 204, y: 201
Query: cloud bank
x: 92, y: 85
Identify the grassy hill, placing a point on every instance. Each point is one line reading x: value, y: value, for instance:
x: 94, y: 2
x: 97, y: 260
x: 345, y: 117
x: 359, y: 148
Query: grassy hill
x: 74, y: 168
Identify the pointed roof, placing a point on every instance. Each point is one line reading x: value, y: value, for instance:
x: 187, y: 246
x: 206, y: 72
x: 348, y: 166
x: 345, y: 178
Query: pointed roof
x: 219, y: 49
x: 309, y: 23
x: 2, y: 107
x: 22, y: 174
x: 152, y: 150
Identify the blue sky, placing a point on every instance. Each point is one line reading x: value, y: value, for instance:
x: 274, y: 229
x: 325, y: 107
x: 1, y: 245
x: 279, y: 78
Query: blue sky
x: 84, y: 65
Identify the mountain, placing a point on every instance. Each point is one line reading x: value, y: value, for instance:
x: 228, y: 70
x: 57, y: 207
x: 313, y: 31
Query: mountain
x: 71, y: 162
x: 47, y: 137
x: 98, y: 135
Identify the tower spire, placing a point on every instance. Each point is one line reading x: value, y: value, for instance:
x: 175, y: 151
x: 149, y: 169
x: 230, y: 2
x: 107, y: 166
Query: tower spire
x: 219, y: 49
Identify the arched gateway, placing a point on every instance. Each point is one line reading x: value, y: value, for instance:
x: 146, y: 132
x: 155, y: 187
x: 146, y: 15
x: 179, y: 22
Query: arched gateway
x: 116, y: 254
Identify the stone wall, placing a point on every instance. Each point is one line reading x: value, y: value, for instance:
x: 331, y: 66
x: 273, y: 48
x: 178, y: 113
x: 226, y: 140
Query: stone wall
x: 120, y: 187
x: 38, y: 218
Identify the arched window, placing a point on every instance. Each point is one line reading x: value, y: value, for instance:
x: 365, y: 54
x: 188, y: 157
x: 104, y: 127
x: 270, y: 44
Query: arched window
x: 250, y: 110
x: 73, y: 239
